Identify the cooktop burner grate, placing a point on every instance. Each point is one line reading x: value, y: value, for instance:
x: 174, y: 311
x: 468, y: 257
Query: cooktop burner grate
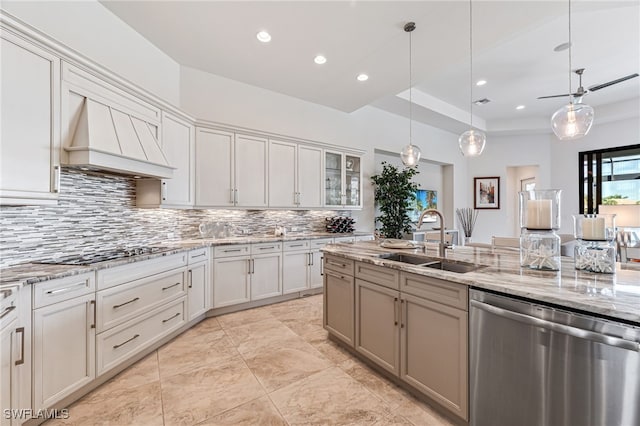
x: 101, y: 256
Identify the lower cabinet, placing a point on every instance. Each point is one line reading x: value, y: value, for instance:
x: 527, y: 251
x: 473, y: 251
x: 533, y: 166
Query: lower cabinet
x: 339, y: 304
x: 266, y: 276
x: 231, y: 281
x: 198, y: 283
x: 64, y: 345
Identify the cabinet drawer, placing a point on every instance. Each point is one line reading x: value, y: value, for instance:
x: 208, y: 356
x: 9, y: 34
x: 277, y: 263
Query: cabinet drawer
x: 319, y: 243
x: 295, y: 245
x: 198, y: 255
x: 118, y: 344
x: 231, y: 250
x: 441, y: 291
x: 62, y: 289
x: 124, y: 302
x: 264, y: 248
x: 9, y: 304
x: 344, y: 239
x: 338, y: 264
x: 379, y: 275
x: 111, y: 277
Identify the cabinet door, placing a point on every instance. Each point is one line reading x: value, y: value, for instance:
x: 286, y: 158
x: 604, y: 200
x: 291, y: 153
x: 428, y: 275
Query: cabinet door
x: 434, y: 352
x: 333, y: 179
x: 30, y: 117
x: 339, y: 305
x: 309, y: 176
x: 231, y: 281
x: 251, y: 165
x: 295, y: 268
x: 282, y: 174
x: 214, y: 168
x: 197, y: 289
x: 377, y: 325
x: 266, y: 276
x: 178, y: 146
x: 64, y: 349
x: 352, y: 181
x: 315, y: 269
x: 7, y: 376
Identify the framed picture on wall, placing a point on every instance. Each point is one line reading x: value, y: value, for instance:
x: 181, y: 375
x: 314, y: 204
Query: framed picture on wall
x: 486, y: 193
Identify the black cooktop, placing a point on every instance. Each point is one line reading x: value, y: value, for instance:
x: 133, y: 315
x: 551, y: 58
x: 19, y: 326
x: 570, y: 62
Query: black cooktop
x: 101, y: 256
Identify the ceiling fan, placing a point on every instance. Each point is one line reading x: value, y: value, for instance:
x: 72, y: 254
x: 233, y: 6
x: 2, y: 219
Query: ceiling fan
x: 581, y: 90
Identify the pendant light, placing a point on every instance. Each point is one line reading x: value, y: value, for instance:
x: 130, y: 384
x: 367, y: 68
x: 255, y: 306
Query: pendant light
x: 410, y: 154
x: 472, y: 141
x: 573, y: 120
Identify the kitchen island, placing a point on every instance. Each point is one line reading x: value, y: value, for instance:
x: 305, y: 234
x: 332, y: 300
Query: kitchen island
x: 423, y: 326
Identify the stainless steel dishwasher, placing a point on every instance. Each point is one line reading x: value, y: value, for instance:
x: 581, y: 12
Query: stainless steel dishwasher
x: 532, y: 364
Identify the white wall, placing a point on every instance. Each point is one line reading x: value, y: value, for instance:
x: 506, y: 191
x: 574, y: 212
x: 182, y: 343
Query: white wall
x: 95, y: 32
x: 214, y: 98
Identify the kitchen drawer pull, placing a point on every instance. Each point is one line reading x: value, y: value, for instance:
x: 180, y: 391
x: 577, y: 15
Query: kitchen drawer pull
x: 232, y: 251
x: 342, y: 277
x: 199, y: 255
x: 342, y: 265
x: 268, y: 248
x: 63, y: 290
x: 169, y: 319
x: 21, y: 331
x: 296, y: 245
x: 171, y: 286
x: 126, y: 341
x: 95, y: 309
x: 126, y: 303
x: 6, y: 311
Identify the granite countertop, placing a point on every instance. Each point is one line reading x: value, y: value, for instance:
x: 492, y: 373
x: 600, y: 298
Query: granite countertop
x: 613, y: 295
x: 30, y: 273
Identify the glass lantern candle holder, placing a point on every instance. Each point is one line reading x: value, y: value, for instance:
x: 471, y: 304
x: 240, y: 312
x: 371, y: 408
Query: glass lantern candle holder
x: 594, y: 227
x: 540, y: 250
x: 595, y: 256
x: 540, y: 210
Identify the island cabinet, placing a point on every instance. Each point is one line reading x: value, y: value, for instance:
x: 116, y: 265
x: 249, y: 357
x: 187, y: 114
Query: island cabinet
x: 339, y: 317
x: 413, y: 326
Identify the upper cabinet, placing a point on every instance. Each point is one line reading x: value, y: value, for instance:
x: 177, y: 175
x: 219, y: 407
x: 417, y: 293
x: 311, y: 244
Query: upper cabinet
x: 295, y: 175
x: 343, y: 180
x: 231, y: 169
x: 29, y: 122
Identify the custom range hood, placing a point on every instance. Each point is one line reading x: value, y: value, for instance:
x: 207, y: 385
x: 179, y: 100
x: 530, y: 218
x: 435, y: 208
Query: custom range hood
x: 108, y: 138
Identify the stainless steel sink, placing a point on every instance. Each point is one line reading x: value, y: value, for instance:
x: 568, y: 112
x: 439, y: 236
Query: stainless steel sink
x: 432, y: 262
x: 452, y: 266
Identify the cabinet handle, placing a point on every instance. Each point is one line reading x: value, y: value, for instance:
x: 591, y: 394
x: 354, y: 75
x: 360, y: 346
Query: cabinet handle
x: 311, y: 257
x: 126, y: 303
x: 171, y: 286
x: 249, y: 266
x: 342, y: 265
x: 342, y: 277
x: 395, y: 311
x: 321, y: 266
x: 268, y: 248
x: 198, y: 255
x: 177, y: 314
x: 21, y: 331
x: 56, y: 179
x: 163, y: 190
x: 296, y: 245
x: 231, y: 251
x: 93, y: 302
x: 232, y: 198
x: 235, y: 196
x: 253, y: 266
x: 126, y: 341
x: 190, y: 278
x: 62, y: 290
x: 6, y: 311
x: 401, y: 312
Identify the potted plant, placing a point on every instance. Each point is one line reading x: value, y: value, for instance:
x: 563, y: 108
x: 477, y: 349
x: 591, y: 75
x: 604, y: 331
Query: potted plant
x: 393, y: 192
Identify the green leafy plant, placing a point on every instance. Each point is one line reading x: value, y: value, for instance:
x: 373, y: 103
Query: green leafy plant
x: 393, y: 193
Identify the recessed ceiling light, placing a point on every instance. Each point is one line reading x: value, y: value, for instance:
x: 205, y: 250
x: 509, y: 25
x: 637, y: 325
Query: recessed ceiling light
x: 320, y: 60
x: 362, y: 77
x: 520, y: 107
x: 561, y: 47
x: 481, y: 82
x: 264, y: 36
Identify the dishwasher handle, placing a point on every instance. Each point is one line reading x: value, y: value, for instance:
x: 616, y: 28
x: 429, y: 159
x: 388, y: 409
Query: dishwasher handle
x: 560, y: 328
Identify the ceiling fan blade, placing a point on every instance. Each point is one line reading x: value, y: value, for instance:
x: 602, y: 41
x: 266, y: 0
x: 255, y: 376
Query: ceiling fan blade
x: 556, y: 96
x: 612, y: 82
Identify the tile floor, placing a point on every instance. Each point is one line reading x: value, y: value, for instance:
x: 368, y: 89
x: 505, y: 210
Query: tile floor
x: 266, y: 366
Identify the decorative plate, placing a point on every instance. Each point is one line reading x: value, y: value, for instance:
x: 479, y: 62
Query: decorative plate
x: 399, y: 244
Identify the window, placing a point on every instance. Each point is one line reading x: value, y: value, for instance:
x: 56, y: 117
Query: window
x: 609, y: 176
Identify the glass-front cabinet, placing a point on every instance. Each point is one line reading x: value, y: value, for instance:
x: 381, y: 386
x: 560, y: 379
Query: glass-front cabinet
x: 343, y: 180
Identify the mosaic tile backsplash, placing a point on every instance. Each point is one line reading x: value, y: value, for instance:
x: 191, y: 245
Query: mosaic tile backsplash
x: 98, y: 212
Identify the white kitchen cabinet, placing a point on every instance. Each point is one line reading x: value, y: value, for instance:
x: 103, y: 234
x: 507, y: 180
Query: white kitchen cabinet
x: 231, y: 281
x: 64, y: 349
x: 29, y: 123
x: 343, y: 180
x: 198, y: 286
x: 295, y: 175
x: 295, y: 271
x: 231, y: 169
x: 8, y: 343
x: 266, y: 275
x: 178, y: 145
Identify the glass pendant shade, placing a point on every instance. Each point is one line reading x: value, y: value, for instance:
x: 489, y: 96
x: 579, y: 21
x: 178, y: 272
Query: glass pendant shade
x: 572, y: 121
x: 472, y: 143
x: 410, y: 155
